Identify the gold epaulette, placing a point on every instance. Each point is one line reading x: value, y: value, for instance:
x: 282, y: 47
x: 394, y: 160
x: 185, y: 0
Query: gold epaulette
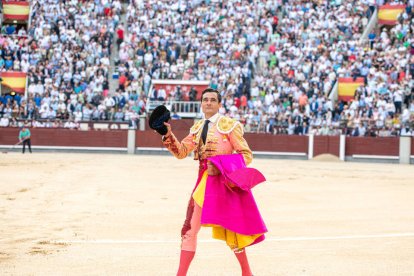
x: 196, y: 127
x: 226, y: 125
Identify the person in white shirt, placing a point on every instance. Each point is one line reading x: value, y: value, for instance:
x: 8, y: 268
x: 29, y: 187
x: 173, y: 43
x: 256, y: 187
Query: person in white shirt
x: 44, y: 112
x: 4, y: 121
x: 254, y: 91
x: 398, y: 94
x: 39, y: 88
x: 78, y: 115
x: 406, y: 131
x: 268, y: 99
x: 109, y: 102
x: 162, y: 95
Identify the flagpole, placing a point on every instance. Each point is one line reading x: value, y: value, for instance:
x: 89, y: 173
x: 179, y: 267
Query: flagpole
x: 26, y: 94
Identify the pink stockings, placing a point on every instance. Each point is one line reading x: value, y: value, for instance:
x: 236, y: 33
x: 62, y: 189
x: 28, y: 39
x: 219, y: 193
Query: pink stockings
x: 189, y: 245
x: 185, y: 260
x: 189, y: 237
x: 189, y: 240
x: 244, y: 263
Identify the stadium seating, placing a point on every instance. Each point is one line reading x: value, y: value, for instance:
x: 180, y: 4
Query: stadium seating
x: 276, y: 64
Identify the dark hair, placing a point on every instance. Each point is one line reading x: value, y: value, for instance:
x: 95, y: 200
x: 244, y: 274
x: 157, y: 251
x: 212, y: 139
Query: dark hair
x: 211, y: 90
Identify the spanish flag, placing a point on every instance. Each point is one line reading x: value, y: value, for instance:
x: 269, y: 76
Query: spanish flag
x: 14, y: 10
x: 16, y: 81
x: 347, y: 88
x: 388, y: 14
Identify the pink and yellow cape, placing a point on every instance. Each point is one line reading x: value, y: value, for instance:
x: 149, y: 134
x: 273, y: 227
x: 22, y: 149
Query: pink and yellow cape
x: 227, y: 202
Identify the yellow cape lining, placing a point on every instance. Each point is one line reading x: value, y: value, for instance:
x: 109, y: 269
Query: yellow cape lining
x: 234, y: 240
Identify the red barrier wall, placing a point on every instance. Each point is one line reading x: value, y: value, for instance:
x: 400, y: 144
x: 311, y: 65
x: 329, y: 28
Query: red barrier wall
x: 388, y: 146
x: 182, y: 124
x: 412, y: 146
x: 277, y: 143
x: 9, y: 136
x: 326, y: 144
x: 257, y: 142
x: 66, y: 137
x: 149, y: 138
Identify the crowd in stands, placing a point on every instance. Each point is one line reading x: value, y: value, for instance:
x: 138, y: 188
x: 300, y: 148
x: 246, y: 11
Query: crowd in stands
x: 312, y: 48
x: 66, y: 55
x: 274, y: 61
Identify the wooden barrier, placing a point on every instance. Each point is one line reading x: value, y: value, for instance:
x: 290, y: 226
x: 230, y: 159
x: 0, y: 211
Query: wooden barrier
x: 367, y: 147
x: 412, y: 146
x: 67, y: 138
x: 326, y: 144
x: 277, y: 143
x: 381, y: 146
x: 151, y: 139
x: 182, y: 124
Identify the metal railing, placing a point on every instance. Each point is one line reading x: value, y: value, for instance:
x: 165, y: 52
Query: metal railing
x: 184, y: 109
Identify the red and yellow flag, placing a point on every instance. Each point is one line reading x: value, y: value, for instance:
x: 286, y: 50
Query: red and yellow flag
x: 388, y: 14
x: 16, y: 10
x: 16, y: 81
x: 347, y: 88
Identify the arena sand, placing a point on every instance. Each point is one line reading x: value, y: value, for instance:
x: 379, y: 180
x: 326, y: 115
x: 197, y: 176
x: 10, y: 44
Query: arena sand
x: 96, y: 214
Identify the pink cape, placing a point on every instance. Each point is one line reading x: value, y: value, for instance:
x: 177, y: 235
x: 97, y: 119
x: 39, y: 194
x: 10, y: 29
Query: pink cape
x: 233, y: 208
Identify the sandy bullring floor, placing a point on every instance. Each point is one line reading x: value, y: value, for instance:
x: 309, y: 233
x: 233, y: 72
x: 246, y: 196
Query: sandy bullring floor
x: 95, y: 214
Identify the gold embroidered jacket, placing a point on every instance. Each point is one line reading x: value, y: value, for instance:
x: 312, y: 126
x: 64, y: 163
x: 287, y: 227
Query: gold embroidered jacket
x: 225, y: 136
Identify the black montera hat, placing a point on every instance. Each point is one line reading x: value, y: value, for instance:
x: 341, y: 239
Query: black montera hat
x: 156, y: 121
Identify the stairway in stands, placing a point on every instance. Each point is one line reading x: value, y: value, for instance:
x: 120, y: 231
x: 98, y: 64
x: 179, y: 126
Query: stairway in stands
x: 113, y: 83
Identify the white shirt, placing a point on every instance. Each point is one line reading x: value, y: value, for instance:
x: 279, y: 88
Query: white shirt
x: 213, y: 119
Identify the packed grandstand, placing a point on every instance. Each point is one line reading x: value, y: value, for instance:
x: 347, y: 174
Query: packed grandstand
x: 283, y: 67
